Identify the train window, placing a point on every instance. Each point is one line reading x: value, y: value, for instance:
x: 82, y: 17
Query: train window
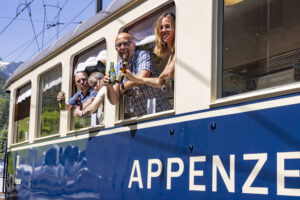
x: 261, y: 45
x: 22, y: 113
x: 92, y: 61
x: 49, y: 108
x: 145, y: 99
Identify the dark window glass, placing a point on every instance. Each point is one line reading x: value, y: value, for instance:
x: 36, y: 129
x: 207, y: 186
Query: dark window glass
x: 22, y: 113
x: 261, y: 45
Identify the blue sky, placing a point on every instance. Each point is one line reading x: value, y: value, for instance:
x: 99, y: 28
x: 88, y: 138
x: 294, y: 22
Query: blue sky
x: 17, y: 41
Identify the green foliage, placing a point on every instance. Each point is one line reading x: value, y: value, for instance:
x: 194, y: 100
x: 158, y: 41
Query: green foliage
x: 23, y: 129
x: 4, y: 106
x: 82, y: 122
x: 50, y: 123
x: 3, y: 139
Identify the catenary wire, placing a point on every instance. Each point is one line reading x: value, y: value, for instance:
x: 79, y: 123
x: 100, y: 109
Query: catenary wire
x: 29, y: 13
x: 67, y: 24
x: 17, y: 14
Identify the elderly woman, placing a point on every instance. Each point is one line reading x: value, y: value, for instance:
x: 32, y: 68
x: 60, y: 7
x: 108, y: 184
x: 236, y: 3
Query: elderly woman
x: 97, y: 103
x: 164, y: 46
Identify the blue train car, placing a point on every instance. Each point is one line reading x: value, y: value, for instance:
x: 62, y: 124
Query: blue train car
x: 232, y: 132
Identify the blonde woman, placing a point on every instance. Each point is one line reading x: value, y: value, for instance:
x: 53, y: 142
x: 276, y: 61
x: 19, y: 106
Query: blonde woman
x: 164, y: 46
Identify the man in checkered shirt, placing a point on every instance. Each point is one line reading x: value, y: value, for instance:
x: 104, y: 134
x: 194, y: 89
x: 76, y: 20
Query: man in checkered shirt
x: 139, y: 99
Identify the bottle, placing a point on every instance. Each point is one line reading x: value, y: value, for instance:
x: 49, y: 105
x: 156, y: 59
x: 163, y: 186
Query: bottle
x: 79, y: 103
x: 124, y: 66
x: 112, y: 74
x: 119, y: 78
x: 62, y: 104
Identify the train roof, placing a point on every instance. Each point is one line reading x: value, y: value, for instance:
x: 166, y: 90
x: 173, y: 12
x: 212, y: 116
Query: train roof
x: 66, y: 39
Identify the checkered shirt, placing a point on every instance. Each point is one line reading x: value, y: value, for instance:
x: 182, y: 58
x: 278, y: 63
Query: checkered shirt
x: 136, y: 99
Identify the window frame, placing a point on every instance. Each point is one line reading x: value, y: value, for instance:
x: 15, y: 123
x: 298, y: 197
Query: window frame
x: 72, y: 89
x: 119, y: 117
x: 40, y: 102
x: 217, y: 68
x: 15, y: 110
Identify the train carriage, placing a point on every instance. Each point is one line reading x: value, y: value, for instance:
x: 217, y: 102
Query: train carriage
x: 232, y: 132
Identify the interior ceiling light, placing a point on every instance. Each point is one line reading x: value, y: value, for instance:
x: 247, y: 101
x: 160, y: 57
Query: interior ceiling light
x: 231, y: 2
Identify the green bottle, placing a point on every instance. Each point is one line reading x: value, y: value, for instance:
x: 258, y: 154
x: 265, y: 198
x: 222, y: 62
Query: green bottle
x: 112, y: 74
x: 62, y: 104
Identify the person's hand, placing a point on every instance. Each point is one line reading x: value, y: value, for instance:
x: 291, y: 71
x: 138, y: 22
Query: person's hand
x: 130, y: 76
x: 77, y: 112
x: 101, y: 83
x: 88, y: 102
x: 105, y: 80
x: 60, y: 96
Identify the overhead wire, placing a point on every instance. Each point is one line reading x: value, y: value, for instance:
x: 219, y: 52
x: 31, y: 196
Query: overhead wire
x: 29, y: 13
x: 67, y: 24
x: 17, y: 14
x: 44, y: 24
x: 29, y: 42
x: 21, y: 19
x: 49, y: 25
x: 71, y: 21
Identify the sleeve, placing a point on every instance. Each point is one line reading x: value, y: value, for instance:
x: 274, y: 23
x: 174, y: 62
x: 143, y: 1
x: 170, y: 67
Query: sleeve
x: 73, y: 99
x: 102, y: 92
x: 143, y: 61
x: 93, y: 93
x: 118, y: 66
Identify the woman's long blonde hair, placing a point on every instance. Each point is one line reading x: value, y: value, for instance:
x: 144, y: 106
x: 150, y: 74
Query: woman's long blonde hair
x: 161, y: 48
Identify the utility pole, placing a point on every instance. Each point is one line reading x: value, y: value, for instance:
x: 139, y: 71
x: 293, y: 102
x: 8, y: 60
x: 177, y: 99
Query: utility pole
x: 99, y: 4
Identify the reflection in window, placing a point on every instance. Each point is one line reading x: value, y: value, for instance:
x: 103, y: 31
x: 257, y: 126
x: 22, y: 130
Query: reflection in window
x: 89, y: 61
x: 50, y: 112
x: 22, y: 112
x: 261, y: 45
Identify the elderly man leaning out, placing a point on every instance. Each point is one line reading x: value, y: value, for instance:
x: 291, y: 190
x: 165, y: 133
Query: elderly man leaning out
x: 84, y: 93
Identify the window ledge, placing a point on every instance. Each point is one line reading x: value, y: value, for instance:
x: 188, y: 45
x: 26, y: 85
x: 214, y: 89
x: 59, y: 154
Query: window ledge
x: 145, y: 117
x: 91, y: 128
x: 257, y: 95
x: 46, y: 137
x: 19, y: 143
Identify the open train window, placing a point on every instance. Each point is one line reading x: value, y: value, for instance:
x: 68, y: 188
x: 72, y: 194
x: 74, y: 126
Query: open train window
x: 261, y: 45
x: 50, y: 83
x: 143, y: 99
x: 22, y: 113
x: 90, y: 61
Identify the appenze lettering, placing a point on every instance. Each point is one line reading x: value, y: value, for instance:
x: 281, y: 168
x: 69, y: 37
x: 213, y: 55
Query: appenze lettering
x: 217, y: 165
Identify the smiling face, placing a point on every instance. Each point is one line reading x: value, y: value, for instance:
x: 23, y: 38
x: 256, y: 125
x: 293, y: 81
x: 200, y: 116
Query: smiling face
x: 95, y: 84
x: 124, y: 46
x: 81, y: 81
x: 166, y: 31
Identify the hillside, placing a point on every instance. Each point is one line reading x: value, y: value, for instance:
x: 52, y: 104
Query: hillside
x: 4, y: 105
x: 6, y: 70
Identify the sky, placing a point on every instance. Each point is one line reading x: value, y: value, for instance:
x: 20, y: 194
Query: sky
x: 21, y: 38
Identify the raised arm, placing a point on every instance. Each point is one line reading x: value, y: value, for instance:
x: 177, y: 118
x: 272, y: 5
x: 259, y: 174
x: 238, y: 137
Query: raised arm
x: 113, y: 92
x: 130, y: 84
x: 154, y: 82
x: 90, y: 109
x: 61, y: 97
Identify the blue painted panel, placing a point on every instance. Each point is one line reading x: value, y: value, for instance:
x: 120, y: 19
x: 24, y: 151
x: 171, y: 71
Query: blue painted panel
x: 100, y: 167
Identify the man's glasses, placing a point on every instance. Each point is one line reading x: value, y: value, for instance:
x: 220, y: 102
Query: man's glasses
x: 119, y: 44
x: 79, y: 80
